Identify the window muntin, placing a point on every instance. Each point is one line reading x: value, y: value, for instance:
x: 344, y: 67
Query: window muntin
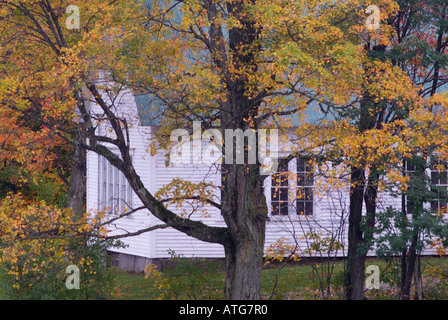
x: 439, y: 185
x: 305, y: 188
x: 115, y: 193
x: 292, y: 189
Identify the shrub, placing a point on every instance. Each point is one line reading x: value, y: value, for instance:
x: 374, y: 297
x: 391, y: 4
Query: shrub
x: 188, y: 279
x: 38, y: 242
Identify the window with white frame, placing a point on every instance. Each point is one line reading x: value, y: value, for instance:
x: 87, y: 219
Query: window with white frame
x: 280, y: 191
x: 292, y: 189
x: 305, y: 188
x: 439, y: 185
x: 115, y: 193
x: 410, y: 171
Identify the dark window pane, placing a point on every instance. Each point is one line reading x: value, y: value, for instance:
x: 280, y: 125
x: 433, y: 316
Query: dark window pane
x: 284, y: 179
x: 275, y: 208
x: 409, y: 166
x: 310, y: 179
x: 442, y: 178
x: 434, y: 205
x: 309, y: 208
x: 301, y: 167
x: 274, y: 194
x: 300, y: 193
x: 308, y: 194
x: 275, y: 180
x: 284, y: 209
x: 434, y: 177
x: 283, y: 194
x: 300, y: 179
x: 309, y: 167
x: 300, y: 207
x: 283, y: 167
x: 279, y: 209
x: 279, y: 191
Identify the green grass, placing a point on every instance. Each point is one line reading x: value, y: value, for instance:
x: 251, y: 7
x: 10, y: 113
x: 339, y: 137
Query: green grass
x: 293, y: 281
x: 289, y: 282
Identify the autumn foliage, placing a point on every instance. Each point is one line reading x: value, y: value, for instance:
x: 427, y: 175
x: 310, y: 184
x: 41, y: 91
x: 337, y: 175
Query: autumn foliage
x: 38, y: 242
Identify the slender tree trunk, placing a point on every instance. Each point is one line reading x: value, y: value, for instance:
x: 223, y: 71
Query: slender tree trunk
x: 355, y: 275
x: 417, y: 198
x: 418, y: 279
x: 360, y: 192
x: 410, y: 266
x: 77, y: 187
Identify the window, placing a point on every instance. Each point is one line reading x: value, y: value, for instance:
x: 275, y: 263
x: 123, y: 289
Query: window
x: 305, y: 183
x: 115, y: 192
x: 280, y: 191
x: 410, y: 171
x: 438, y: 185
x: 288, y: 196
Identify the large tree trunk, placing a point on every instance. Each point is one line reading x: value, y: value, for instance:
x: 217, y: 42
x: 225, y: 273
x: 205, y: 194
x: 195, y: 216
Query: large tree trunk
x: 243, y: 269
x: 243, y: 203
x: 359, y: 240
x: 245, y: 213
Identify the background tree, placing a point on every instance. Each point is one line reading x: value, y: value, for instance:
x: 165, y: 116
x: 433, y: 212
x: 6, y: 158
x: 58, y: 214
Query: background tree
x: 386, y: 124
x: 419, y: 49
x: 416, y: 47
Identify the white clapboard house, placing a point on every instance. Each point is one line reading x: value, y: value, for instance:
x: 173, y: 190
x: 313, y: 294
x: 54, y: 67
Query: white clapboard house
x: 325, y: 213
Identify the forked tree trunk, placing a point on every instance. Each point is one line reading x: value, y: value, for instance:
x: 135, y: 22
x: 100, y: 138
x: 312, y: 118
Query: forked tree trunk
x: 416, y: 195
x: 356, y: 256
x: 359, y: 239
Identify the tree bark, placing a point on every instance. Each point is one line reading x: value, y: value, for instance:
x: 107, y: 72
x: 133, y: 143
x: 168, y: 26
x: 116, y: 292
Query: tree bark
x: 77, y: 187
x: 417, y: 197
x: 243, y: 203
x: 245, y: 212
x: 360, y: 191
x: 355, y: 275
x: 409, y: 270
x: 243, y: 268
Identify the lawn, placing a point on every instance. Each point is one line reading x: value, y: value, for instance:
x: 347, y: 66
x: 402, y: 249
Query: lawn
x: 205, y: 280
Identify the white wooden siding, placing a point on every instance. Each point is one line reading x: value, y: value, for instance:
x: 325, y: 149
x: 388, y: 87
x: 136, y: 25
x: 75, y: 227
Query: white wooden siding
x: 171, y: 239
